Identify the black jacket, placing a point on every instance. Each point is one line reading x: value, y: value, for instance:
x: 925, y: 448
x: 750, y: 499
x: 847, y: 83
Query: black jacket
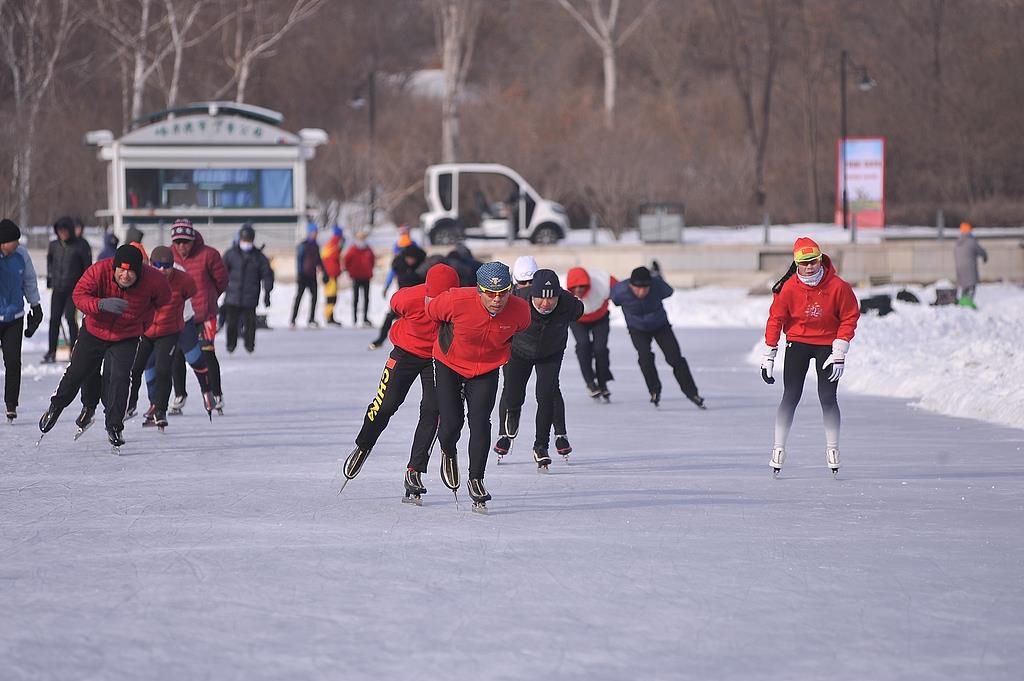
x: 548, y: 333
x: 406, y: 274
x: 246, y: 271
x: 66, y: 262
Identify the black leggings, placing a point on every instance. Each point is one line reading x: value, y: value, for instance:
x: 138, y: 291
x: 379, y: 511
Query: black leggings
x: 400, y: 372
x: 797, y: 361
x: 592, y: 351
x: 89, y: 354
x: 10, y: 342
x: 550, y: 405
x: 666, y: 340
x: 305, y: 283
x: 481, y: 392
x: 62, y: 305
x: 360, y: 285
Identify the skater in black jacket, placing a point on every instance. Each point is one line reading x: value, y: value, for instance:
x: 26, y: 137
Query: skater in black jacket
x: 67, y: 259
x: 540, y: 347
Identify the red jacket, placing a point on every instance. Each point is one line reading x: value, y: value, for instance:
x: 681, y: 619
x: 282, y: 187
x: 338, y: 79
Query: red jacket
x: 149, y: 292
x: 599, y: 287
x: 473, y: 342
x: 359, y: 263
x: 207, y: 269
x: 816, y: 315
x: 170, y: 318
x: 413, y: 331
x: 330, y: 254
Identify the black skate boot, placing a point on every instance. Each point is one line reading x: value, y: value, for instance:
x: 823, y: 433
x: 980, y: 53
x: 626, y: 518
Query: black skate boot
x: 49, y: 419
x: 218, y: 404
x: 84, y: 420
x: 478, y: 493
x: 149, y: 420
x: 540, y: 455
x: 562, y: 446
x: 606, y: 395
x: 133, y: 410
x: 450, y: 473
x: 414, y: 488
x: 160, y: 421
x: 698, y: 400
x: 354, y: 464
x: 115, y: 439
x: 655, y: 397
x: 594, y: 390
x: 503, y: 446
x: 12, y: 413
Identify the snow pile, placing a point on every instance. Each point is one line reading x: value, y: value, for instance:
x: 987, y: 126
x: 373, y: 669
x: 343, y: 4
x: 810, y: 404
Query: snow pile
x: 945, y: 359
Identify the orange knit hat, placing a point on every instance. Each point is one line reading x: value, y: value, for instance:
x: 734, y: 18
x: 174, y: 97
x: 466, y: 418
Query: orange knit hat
x: 805, y: 250
x: 965, y: 227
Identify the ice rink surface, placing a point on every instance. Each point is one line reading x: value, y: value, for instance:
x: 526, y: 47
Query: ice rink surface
x: 662, y: 550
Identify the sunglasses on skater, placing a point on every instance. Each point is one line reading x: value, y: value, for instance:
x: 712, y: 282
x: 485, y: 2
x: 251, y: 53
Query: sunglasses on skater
x: 490, y: 293
x: 163, y: 265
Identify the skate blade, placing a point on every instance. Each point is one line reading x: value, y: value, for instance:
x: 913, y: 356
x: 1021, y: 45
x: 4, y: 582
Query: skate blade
x: 115, y: 450
x: 40, y: 439
x: 480, y: 507
x: 565, y: 458
x: 220, y: 412
x: 412, y: 499
x: 835, y: 473
x: 775, y: 473
x: 542, y: 468
x: 343, y: 486
x: 81, y: 432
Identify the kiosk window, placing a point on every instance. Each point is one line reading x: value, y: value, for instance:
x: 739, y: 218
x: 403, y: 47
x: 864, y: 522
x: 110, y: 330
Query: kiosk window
x: 209, y: 188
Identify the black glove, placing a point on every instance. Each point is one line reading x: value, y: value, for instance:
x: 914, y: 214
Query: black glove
x: 35, y: 318
x: 266, y: 299
x: 113, y: 305
x: 326, y: 278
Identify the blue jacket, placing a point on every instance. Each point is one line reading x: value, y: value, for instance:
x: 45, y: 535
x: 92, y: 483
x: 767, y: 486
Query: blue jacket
x: 17, y: 284
x: 647, y: 313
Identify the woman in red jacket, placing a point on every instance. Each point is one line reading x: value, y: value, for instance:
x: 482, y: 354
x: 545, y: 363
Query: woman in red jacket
x: 119, y: 297
x: 818, y: 312
x: 358, y: 262
x: 473, y: 342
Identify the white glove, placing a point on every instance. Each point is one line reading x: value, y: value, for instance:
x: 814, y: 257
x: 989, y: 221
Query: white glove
x: 837, y: 359
x: 768, y: 364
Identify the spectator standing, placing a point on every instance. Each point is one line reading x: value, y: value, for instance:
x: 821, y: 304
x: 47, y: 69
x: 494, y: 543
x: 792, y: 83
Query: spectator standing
x: 359, y: 261
x: 248, y: 270
x: 307, y: 265
x: 966, y: 252
x: 67, y: 259
x: 330, y: 254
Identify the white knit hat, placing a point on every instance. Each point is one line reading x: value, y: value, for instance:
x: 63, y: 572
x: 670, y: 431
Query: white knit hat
x: 524, y: 268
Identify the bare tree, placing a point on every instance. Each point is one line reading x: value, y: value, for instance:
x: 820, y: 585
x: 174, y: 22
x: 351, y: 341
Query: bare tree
x: 751, y: 71
x: 180, y: 22
x: 455, y: 25
x: 257, y: 29
x: 34, y: 35
x: 602, y: 27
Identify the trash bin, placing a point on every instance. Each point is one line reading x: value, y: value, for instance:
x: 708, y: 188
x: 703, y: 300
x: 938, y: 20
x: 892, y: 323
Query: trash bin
x: 661, y: 222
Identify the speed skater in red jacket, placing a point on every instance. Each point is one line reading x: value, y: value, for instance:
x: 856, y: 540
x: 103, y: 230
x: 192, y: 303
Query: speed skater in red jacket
x: 818, y: 312
x: 119, y: 297
x: 474, y: 341
x: 413, y: 335
x: 594, y: 288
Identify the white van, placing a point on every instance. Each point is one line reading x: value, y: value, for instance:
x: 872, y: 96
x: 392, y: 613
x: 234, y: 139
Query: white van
x: 487, y: 200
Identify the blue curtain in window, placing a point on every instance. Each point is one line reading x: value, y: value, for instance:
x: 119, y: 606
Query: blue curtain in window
x: 276, y: 188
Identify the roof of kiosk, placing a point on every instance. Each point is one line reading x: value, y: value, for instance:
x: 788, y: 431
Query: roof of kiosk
x: 211, y: 123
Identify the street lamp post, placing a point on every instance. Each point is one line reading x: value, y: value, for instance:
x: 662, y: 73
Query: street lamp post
x: 370, y: 102
x: 864, y: 84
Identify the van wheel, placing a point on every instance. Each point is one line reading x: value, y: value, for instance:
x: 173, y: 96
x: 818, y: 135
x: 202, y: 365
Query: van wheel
x: 546, y: 234
x: 444, y: 235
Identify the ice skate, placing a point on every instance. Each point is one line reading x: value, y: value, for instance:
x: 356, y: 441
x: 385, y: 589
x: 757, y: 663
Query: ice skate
x: 208, y: 405
x: 606, y: 395
x: 594, y: 390
x: 150, y: 418
x: 541, y: 457
x: 84, y: 420
x: 478, y: 493
x: 49, y: 358
x: 177, y: 404
x: 503, y: 446
x: 414, y: 489
x: 698, y: 400
x: 832, y: 459
x: 655, y: 397
x: 116, y: 440
x: 374, y: 346
x: 49, y: 419
x: 132, y: 411
x: 160, y: 421
x: 12, y: 414
x: 353, y: 464
x: 778, y: 457
x: 562, y: 446
x: 218, y: 404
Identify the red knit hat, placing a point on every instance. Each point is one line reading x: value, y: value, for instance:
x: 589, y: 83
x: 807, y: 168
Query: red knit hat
x: 805, y: 250
x: 440, y: 278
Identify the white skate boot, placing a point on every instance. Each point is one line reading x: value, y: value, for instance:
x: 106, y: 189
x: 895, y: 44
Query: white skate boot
x: 832, y: 459
x: 778, y: 456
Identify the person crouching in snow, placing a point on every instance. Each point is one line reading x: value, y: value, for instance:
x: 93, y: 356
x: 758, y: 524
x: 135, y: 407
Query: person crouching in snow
x: 818, y: 312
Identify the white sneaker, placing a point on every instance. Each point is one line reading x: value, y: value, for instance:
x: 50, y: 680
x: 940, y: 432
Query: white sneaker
x: 778, y: 457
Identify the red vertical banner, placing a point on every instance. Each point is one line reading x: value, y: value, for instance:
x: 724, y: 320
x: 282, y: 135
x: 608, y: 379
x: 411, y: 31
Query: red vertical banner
x: 865, y: 180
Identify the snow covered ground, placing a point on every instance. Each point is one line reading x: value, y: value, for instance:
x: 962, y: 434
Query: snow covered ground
x: 663, y: 550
